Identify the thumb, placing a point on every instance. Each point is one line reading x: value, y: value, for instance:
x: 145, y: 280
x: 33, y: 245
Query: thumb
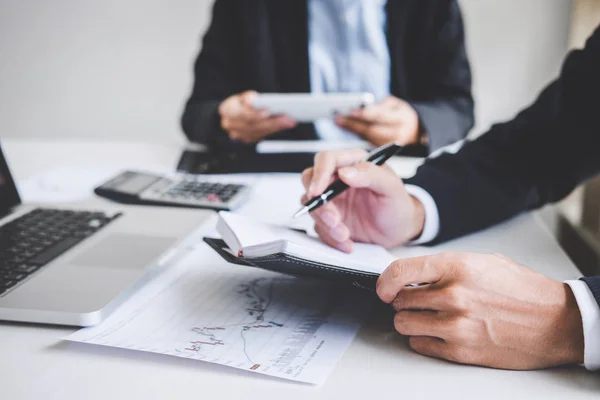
x: 370, y: 176
x: 247, y: 98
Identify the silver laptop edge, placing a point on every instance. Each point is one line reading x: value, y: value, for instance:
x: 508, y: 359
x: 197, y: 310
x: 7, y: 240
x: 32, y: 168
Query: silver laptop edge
x: 86, y: 283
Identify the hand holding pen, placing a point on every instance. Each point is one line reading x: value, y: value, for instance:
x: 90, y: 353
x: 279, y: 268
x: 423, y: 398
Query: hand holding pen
x: 370, y: 204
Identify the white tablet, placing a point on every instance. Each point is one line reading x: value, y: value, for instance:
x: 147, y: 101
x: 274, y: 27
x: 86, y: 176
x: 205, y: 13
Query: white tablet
x: 308, y: 107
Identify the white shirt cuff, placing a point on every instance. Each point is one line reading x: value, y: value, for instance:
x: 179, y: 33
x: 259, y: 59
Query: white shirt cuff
x: 432, y: 218
x: 590, y: 316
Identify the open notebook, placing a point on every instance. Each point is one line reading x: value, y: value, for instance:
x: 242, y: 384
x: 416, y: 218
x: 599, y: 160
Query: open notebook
x: 253, y: 243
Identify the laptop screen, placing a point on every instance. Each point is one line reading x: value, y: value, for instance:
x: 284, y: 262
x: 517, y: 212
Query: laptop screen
x: 9, y: 197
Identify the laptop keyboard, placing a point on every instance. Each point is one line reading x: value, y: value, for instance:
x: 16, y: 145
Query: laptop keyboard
x: 33, y: 240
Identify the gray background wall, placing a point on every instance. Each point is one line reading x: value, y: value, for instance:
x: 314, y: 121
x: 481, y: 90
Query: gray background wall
x: 122, y: 69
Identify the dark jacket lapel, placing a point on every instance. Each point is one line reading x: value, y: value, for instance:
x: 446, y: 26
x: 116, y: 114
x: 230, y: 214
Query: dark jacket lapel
x: 397, y: 22
x: 290, y: 46
x: 289, y: 19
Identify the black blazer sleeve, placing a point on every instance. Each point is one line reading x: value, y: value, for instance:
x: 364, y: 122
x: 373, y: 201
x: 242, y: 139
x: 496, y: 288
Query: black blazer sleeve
x: 537, y: 158
x: 594, y: 285
x: 443, y: 100
x: 215, y: 77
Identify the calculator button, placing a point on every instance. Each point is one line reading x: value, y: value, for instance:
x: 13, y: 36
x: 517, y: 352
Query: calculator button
x: 212, y: 197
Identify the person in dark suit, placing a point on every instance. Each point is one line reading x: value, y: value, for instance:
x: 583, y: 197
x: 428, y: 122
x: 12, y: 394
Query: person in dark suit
x: 409, y: 53
x: 482, y: 309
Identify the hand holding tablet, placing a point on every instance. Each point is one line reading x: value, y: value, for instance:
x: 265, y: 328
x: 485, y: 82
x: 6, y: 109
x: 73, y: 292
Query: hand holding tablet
x: 249, y: 117
x: 390, y: 120
x: 242, y: 121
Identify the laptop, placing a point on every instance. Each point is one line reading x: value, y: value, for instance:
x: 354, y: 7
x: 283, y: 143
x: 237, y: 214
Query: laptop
x: 72, y: 265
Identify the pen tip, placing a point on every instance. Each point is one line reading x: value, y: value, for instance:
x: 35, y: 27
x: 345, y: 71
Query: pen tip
x: 300, y: 212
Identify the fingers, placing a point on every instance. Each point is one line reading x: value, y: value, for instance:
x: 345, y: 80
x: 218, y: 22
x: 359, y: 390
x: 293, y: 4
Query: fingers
x: 331, y: 229
x: 245, y: 108
x: 409, y: 271
x: 240, y: 107
x: 392, y: 120
x: 429, y: 297
x: 422, y: 323
x: 247, y: 98
x: 240, y: 122
x: 328, y: 215
x: 437, y: 348
x: 338, y: 237
x: 355, y: 125
x: 326, y: 165
x: 451, y: 327
x: 243, y: 122
x: 389, y: 111
x: 270, y: 125
x: 376, y: 133
x: 251, y: 132
x: 427, y: 346
x: 370, y: 176
x: 383, y: 134
x: 256, y: 120
x: 248, y: 115
x: 307, y: 176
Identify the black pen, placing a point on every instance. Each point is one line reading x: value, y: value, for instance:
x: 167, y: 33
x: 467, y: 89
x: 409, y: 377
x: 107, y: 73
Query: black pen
x: 377, y: 157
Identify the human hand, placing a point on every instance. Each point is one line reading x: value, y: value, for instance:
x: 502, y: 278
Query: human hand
x: 392, y: 120
x: 243, y: 122
x: 484, y: 310
x: 374, y: 209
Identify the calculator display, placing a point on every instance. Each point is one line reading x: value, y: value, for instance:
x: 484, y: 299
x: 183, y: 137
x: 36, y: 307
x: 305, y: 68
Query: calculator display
x: 135, y: 183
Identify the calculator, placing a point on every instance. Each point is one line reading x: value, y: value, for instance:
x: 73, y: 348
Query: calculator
x: 132, y: 187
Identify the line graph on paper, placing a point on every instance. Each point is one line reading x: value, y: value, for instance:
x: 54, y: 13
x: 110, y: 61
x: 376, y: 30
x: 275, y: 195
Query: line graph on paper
x: 258, y: 296
x: 273, y: 310
x: 240, y: 317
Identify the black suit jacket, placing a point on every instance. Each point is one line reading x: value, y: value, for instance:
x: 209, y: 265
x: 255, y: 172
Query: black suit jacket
x: 263, y: 45
x: 537, y: 158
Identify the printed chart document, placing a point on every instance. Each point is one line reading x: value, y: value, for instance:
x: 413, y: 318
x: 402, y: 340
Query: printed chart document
x: 246, y: 318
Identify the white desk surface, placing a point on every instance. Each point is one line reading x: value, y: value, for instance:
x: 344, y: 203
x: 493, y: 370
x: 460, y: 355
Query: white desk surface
x: 36, y: 364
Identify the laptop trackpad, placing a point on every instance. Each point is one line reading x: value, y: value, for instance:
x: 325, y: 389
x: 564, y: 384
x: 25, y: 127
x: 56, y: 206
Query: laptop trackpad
x: 123, y: 251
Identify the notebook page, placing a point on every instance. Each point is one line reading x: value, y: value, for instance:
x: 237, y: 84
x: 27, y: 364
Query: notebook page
x: 364, y: 257
x: 251, y: 233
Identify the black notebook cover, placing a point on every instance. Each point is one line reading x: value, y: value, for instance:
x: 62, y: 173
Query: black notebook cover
x: 290, y: 265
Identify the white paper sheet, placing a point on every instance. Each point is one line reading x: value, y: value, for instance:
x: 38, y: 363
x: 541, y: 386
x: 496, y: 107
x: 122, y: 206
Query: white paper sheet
x: 237, y: 316
x: 275, y: 198
x: 74, y: 182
